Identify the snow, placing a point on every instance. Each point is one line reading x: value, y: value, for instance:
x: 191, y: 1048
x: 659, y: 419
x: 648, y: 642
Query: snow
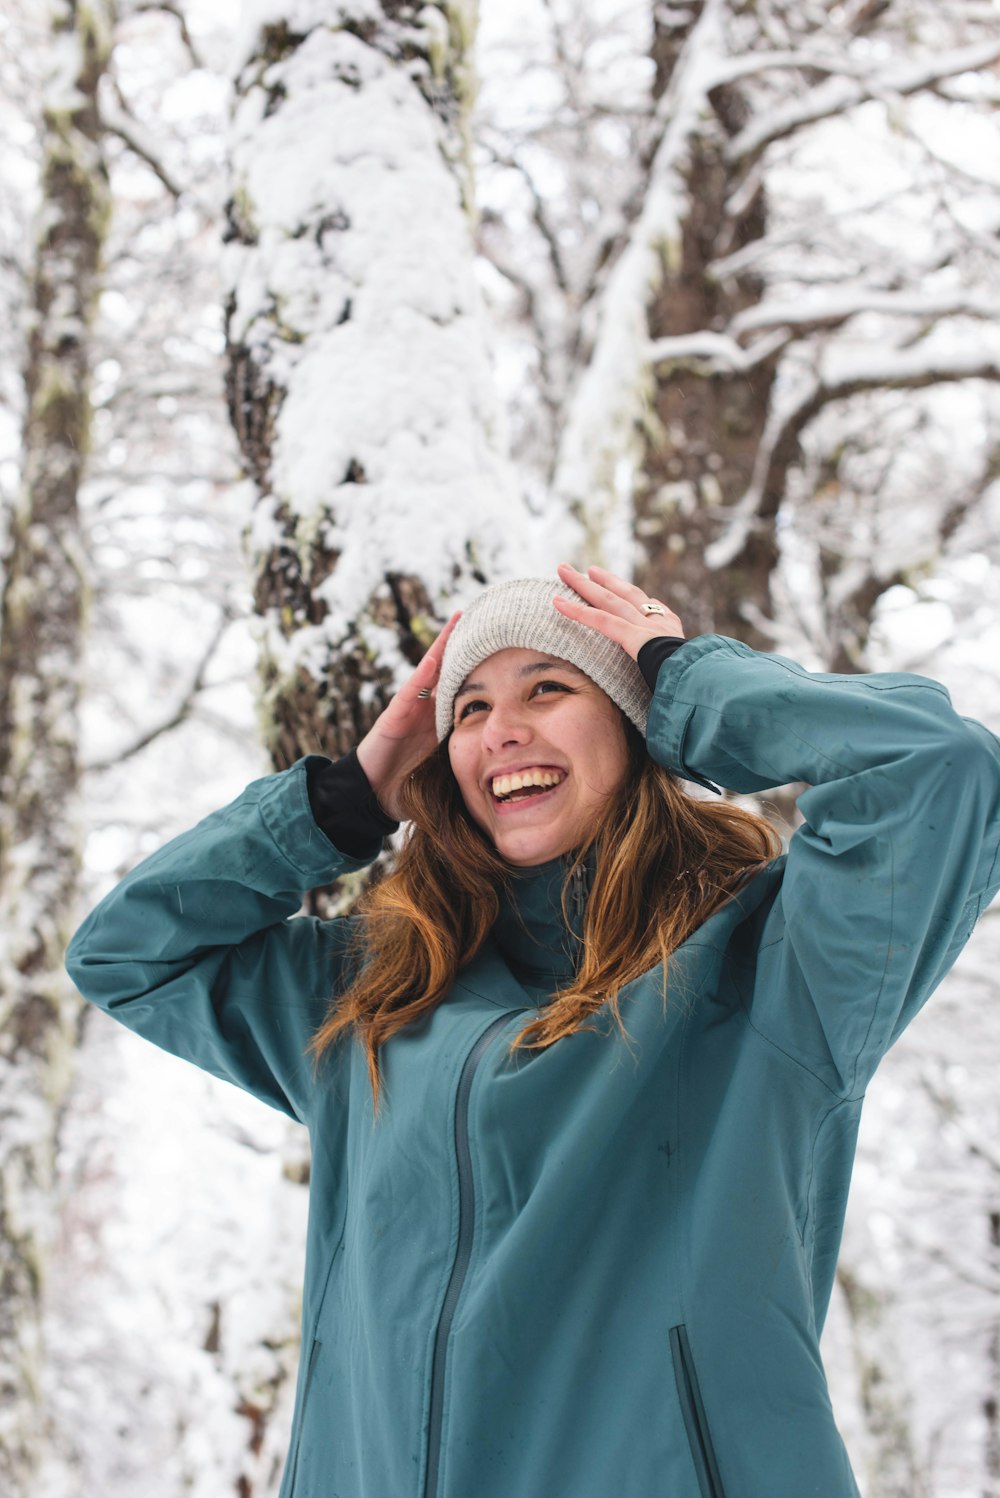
x: 175, y: 1137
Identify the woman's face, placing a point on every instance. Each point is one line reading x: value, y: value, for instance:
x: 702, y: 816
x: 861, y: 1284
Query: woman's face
x: 526, y: 714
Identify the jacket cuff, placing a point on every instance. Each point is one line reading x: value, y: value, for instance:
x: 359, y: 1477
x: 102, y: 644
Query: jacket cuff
x: 345, y: 807
x: 652, y: 655
x: 309, y: 849
x: 667, y: 725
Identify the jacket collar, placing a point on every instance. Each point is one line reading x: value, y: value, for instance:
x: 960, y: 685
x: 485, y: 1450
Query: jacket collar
x: 536, y: 940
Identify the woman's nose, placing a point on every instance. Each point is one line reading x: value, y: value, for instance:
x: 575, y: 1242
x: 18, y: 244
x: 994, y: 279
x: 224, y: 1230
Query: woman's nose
x: 506, y: 723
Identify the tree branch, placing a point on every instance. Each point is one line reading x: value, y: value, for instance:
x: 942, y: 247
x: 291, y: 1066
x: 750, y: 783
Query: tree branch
x: 837, y: 95
x: 839, y: 376
x: 509, y: 159
x: 714, y: 353
x: 178, y: 15
x: 182, y: 711
x: 735, y: 69
x: 122, y: 123
x: 833, y: 308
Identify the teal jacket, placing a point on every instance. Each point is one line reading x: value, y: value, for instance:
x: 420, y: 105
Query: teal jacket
x: 601, y: 1268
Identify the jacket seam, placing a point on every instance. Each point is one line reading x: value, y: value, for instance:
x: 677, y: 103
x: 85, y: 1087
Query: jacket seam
x: 478, y: 993
x: 841, y: 1097
x: 891, y: 930
x: 821, y: 1124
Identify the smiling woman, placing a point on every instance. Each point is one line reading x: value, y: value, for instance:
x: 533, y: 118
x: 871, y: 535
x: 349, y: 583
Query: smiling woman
x: 537, y: 750
x: 588, y: 1061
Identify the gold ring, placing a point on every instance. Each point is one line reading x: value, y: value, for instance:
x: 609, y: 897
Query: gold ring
x: 653, y: 608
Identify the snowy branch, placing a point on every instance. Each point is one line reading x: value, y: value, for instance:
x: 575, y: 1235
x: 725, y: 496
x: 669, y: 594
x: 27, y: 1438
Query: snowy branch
x: 735, y: 69
x: 713, y: 353
x: 119, y: 122
x: 835, y: 307
x: 837, y: 95
x: 841, y: 374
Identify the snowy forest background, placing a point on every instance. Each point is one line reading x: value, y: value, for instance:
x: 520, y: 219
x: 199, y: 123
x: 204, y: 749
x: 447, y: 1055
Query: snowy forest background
x: 317, y: 313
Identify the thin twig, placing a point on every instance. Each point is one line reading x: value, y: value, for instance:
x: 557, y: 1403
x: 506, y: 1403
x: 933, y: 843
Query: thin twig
x: 180, y: 714
x: 179, y: 17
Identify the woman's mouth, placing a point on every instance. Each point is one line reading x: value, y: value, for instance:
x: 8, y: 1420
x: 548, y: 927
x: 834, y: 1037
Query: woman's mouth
x: 533, y: 784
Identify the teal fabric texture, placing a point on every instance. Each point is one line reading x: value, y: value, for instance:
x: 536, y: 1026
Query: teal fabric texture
x: 601, y: 1268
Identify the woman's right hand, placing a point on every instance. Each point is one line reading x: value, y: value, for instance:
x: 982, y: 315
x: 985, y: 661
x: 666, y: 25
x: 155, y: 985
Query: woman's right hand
x: 403, y: 734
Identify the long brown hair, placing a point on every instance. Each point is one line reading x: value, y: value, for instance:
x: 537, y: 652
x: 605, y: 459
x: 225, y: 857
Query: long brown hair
x: 664, y: 862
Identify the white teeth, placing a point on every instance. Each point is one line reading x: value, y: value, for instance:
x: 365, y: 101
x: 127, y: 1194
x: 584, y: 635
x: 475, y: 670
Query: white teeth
x: 503, y: 785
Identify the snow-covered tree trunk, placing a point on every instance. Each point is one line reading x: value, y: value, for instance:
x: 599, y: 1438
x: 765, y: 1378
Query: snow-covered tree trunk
x: 701, y: 435
x: 359, y: 381
x: 41, y: 620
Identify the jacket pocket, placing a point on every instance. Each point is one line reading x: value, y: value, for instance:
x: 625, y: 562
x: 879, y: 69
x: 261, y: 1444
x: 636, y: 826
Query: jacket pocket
x: 288, y: 1487
x: 695, y: 1423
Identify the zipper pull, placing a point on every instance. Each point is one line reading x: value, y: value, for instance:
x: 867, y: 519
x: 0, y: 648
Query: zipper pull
x: 579, y: 894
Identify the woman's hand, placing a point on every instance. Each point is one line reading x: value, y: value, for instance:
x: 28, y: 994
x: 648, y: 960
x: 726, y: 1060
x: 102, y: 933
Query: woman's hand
x: 403, y: 734
x: 614, y: 607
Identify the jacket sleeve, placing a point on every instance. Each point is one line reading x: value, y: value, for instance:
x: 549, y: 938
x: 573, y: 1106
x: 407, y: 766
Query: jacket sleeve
x: 200, y: 949
x: 898, y: 854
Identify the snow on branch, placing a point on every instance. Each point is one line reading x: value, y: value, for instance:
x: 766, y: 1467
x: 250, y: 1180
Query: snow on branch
x: 847, y: 373
x: 833, y: 307
x: 841, y: 374
x: 713, y: 352
x: 751, y: 64
x: 837, y: 95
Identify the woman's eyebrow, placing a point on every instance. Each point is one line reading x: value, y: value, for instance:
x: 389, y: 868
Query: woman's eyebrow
x: 536, y: 667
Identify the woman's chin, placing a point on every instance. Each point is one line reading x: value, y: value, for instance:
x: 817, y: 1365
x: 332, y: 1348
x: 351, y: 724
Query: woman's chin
x: 527, y: 846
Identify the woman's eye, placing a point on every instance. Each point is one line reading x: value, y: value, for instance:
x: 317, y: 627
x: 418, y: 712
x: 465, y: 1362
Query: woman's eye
x: 477, y: 704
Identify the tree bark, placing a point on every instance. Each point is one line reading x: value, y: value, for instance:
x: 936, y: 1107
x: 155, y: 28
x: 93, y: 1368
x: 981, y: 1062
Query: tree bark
x: 703, y: 431
x: 41, y: 626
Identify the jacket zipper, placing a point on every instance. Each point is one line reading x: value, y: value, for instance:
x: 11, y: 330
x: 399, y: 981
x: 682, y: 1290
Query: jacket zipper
x: 463, y: 1248
x: 579, y: 900
x: 695, y: 1423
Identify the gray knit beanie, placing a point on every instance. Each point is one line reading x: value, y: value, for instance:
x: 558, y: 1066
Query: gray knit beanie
x: 519, y: 615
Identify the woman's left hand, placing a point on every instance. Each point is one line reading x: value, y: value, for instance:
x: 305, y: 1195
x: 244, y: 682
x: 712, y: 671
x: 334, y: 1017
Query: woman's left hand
x: 614, y: 607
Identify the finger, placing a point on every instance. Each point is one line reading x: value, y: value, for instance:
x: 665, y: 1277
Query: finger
x: 597, y: 594
x: 425, y: 671
x: 612, y: 625
x: 436, y: 649
x: 631, y: 592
